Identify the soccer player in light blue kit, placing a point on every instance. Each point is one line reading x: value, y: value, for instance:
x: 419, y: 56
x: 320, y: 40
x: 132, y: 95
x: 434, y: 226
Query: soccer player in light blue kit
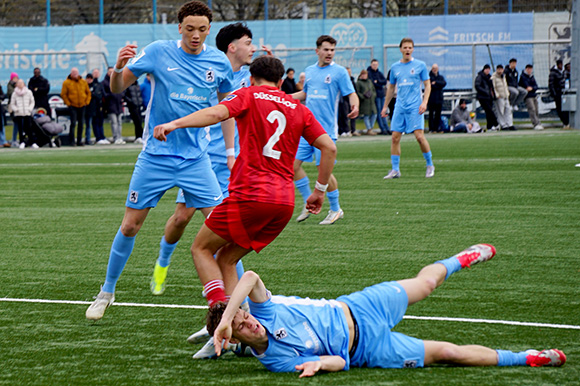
x: 326, y: 83
x: 235, y: 40
x: 290, y: 334
x: 184, y: 75
x: 407, y: 75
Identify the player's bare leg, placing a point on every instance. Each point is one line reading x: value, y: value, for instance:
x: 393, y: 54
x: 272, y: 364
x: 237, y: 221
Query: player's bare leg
x: 227, y: 258
x: 469, y: 355
x: 395, y: 156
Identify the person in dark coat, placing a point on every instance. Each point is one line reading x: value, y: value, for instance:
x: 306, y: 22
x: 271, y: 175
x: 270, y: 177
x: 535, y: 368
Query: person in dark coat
x: 435, y: 104
x: 556, y: 82
x: 528, y: 82
x: 98, y: 118
x: 114, y: 109
x: 40, y: 87
x: 379, y: 81
x: 485, y: 96
x: 289, y: 84
x: 134, y: 103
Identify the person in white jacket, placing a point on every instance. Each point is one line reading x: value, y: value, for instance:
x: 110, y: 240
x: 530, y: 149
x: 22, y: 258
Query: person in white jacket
x: 22, y: 105
x: 501, y: 104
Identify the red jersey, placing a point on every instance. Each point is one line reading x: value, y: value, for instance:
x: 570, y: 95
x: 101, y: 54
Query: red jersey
x: 270, y: 124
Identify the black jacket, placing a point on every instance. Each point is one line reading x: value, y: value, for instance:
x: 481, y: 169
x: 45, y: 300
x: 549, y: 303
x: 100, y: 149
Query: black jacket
x: 483, y: 86
x: 436, y: 96
x: 133, y: 96
x: 289, y: 86
x: 528, y: 81
x: 511, y: 76
x: 97, y: 94
x: 113, y: 102
x: 556, y: 81
x: 40, y: 87
x: 378, y: 80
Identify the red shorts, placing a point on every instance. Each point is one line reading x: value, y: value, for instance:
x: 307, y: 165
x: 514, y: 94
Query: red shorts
x: 250, y: 224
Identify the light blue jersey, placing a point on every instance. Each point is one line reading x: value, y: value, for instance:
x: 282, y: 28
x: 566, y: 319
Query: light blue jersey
x: 324, y: 86
x: 216, y: 148
x: 301, y: 330
x: 408, y: 78
x: 181, y: 84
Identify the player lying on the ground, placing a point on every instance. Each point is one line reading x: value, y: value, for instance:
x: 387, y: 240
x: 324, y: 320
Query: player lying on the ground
x: 292, y: 334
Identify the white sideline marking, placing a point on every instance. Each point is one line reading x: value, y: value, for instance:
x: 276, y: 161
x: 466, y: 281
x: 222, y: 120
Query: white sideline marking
x: 439, y: 318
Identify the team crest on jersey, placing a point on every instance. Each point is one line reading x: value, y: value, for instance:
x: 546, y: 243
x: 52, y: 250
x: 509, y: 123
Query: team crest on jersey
x: 244, y: 83
x: 134, y: 196
x: 229, y: 97
x: 412, y: 71
x: 328, y: 79
x: 280, y: 334
x: 209, y: 75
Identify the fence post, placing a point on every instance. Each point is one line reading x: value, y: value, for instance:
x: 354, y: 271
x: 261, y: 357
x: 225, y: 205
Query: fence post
x: 575, y: 62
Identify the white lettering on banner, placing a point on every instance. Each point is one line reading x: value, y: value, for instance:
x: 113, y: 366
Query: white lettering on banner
x: 274, y: 98
x: 13, y: 61
x: 476, y: 37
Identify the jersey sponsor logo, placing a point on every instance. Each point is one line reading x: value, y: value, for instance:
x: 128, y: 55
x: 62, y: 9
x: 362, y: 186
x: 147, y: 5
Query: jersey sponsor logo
x: 134, y: 196
x: 172, y: 68
x: 190, y: 94
x: 328, y: 79
x: 280, y: 333
x: 274, y: 98
x: 209, y: 75
x: 316, y: 95
x: 410, y: 364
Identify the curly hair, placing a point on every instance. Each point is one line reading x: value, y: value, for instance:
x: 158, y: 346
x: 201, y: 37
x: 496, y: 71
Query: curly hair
x: 229, y: 33
x: 214, y: 316
x: 194, y: 8
x: 325, y: 38
x: 267, y: 68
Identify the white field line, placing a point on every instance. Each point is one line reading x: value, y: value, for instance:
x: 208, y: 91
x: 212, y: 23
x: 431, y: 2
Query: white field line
x: 411, y: 317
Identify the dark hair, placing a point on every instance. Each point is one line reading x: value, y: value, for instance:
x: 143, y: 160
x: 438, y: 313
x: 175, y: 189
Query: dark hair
x: 462, y: 101
x: 267, y: 68
x: 513, y: 60
x: 406, y: 40
x: 374, y: 60
x: 325, y: 38
x: 290, y: 69
x: 229, y: 33
x: 498, y: 66
x: 194, y: 8
x: 486, y: 66
x: 90, y: 76
x: 559, y: 61
x: 529, y: 66
x: 214, y: 316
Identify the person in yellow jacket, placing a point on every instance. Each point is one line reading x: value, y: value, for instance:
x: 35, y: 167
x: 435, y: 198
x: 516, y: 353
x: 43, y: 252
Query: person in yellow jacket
x: 76, y: 95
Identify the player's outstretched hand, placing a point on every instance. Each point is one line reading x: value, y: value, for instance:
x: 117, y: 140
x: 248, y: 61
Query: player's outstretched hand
x: 315, y: 201
x: 309, y: 369
x: 353, y: 112
x: 126, y: 53
x: 160, y: 132
x: 221, y: 337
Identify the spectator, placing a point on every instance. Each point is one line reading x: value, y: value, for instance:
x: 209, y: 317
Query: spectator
x: 114, y: 109
x: 98, y: 119
x: 366, y: 91
x: 22, y: 105
x: 528, y: 82
x: 556, y: 82
x: 76, y: 95
x: 40, y: 87
x: 289, y: 84
x: 379, y: 81
x: 9, y: 90
x: 301, y: 80
x: 146, y: 91
x: 486, y: 95
x: 461, y: 122
x: 352, y: 122
x: 134, y: 104
x: 517, y: 93
x: 3, y: 141
x: 435, y: 104
x: 501, y: 103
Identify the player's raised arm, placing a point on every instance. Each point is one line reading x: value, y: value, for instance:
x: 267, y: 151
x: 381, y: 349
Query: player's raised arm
x: 249, y: 285
x: 201, y: 118
x: 122, y: 77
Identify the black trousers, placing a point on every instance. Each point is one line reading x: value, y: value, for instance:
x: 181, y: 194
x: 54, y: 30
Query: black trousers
x: 487, y: 106
x: 564, y: 115
x: 77, y: 115
x: 434, y: 116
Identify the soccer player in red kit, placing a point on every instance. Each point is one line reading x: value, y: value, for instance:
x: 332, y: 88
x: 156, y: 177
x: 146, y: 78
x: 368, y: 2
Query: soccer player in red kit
x: 261, y: 200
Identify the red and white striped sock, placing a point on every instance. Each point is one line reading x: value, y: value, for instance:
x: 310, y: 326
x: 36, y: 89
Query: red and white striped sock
x: 214, y: 291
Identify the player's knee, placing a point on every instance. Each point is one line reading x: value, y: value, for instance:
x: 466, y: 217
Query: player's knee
x: 181, y: 219
x: 129, y: 228
x: 448, y: 352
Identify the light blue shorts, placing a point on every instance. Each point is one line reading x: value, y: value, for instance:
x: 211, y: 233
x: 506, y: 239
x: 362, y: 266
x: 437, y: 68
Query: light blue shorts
x: 307, y: 152
x: 155, y: 174
x: 377, y: 309
x: 222, y: 173
x: 407, y: 121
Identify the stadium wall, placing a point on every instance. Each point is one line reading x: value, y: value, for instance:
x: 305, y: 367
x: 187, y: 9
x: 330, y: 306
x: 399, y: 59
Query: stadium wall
x: 21, y: 48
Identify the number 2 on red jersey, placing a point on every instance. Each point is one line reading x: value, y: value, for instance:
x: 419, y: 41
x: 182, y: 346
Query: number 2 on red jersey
x: 268, y: 150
